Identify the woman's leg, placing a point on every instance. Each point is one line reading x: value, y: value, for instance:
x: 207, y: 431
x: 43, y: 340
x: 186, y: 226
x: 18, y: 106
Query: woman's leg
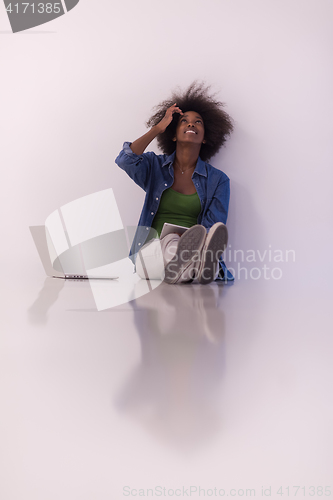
x: 154, y: 255
x: 215, y: 244
x: 198, y: 255
x: 187, y: 257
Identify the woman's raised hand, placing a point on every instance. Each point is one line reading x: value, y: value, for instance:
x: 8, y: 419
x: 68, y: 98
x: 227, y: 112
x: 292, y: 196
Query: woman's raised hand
x: 140, y: 144
x: 167, y: 119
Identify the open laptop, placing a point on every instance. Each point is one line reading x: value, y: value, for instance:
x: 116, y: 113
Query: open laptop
x: 70, y: 265
x: 83, y: 239
x: 172, y: 228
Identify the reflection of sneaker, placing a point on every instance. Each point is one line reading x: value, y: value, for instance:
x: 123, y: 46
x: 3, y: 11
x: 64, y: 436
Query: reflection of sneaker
x: 215, y: 244
x: 188, y: 251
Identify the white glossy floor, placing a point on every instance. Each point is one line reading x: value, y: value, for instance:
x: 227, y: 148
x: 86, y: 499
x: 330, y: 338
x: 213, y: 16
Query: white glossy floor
x: 223, y: 388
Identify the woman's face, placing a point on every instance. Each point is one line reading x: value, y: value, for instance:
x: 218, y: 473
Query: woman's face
x: 190, y: 128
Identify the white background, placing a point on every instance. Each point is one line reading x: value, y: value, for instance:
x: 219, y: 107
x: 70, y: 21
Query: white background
x: 73, y: 90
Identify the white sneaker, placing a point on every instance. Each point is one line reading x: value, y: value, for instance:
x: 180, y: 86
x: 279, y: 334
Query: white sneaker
x: 215, y: 244
x: 189, y: 250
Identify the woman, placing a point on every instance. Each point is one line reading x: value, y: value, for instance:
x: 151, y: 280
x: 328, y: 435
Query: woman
x: 182, y: 188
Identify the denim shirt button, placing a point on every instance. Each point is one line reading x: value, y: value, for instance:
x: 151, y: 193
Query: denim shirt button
x: 139, y: 244
x: 152, y: 213
x: 165, y: 184
x: 156, y: 198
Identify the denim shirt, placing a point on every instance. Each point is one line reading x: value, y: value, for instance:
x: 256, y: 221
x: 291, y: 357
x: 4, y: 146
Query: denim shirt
x: 154, y: 174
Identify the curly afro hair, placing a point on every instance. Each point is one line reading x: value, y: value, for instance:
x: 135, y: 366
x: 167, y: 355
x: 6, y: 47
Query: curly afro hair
x: 218, y: 124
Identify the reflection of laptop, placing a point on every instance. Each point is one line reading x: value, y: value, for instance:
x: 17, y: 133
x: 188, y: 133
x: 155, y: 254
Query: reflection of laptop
x: 39, y: 236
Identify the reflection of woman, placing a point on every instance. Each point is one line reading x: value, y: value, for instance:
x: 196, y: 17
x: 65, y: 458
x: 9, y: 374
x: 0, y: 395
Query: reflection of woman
x: 173, y: 390
x: 181, y: 188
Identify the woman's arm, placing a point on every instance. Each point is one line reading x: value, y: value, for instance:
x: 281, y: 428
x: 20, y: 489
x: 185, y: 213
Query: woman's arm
x: 132, y: 158
x: 217, y: 210
x: 139, y: 145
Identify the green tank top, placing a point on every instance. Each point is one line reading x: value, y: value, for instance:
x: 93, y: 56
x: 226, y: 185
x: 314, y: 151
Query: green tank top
x: 177, y: 208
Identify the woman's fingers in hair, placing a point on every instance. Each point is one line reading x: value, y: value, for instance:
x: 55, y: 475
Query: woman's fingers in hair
x: 167, y: 119
x: 176, y: 109
x: 170, y: 111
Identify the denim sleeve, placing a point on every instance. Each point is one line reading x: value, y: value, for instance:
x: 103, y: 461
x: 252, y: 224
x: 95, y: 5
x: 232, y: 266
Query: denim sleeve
x: 138, y: 167
x: 218, y: 208
x: 218, y: 212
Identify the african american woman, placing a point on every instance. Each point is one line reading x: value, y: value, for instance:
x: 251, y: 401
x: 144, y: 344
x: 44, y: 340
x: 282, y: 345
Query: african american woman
x: 182, y: 188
